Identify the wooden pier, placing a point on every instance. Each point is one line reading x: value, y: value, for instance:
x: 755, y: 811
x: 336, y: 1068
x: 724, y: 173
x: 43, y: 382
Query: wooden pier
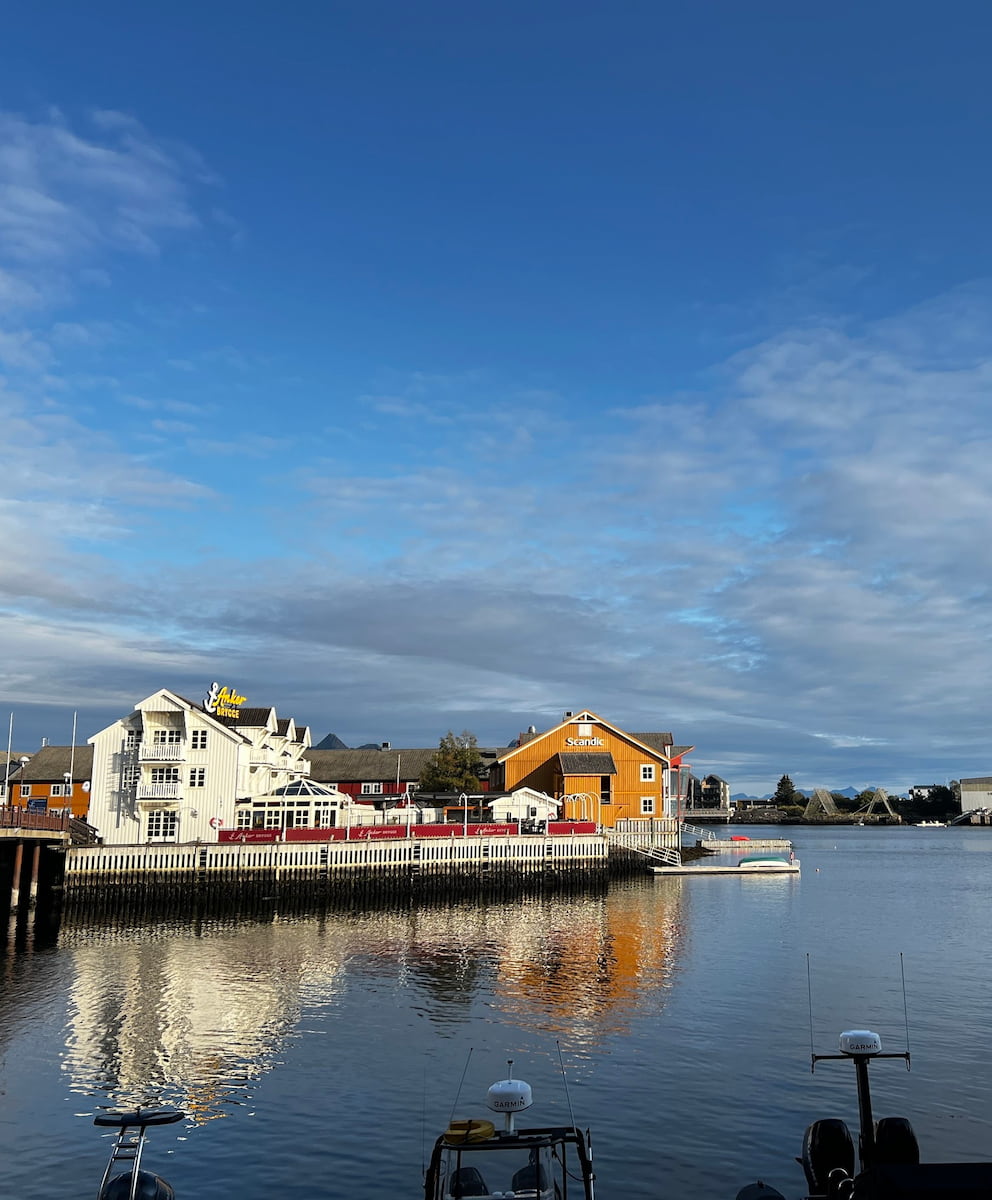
x: 235, y: 867
x: 31, y: 846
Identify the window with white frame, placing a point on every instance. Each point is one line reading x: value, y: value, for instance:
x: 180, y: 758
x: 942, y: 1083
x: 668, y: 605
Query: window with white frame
x: 647, y: 806
x: 647, y: 772
x: 413, y: 785
x: 371, y: 789
x: 167, y: 737
x: 198, y: 739
x: 25, y: 791
x: 198, y: 777
x: 61, y: 789
x: 244, y: 817
x: 165, y: 774
x: 162, y: 825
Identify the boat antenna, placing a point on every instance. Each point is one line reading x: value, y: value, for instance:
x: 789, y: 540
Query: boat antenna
x: 905, y: 1008
x: 460, y: 1082
x: 564, y: 1079
x: 809, y: 995
x: 423, y: 1128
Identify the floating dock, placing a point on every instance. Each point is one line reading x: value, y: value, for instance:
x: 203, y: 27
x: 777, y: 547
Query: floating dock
x: 781, y: 844
x: 772, y: 868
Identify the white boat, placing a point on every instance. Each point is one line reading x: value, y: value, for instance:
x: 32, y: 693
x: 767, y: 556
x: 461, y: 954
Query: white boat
x: 474, y: 1158
x: 931, y: 825
x: 769, y: 863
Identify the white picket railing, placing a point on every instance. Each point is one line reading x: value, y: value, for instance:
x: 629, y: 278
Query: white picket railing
x: 238, y: 858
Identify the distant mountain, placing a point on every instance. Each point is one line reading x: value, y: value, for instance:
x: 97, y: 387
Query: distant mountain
x: 331, y: 742
x: 849, y: 792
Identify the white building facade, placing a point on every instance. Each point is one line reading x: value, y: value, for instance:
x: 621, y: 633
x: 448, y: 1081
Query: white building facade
x: 174, y: 771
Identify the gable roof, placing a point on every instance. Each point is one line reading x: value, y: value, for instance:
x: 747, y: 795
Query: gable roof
x: 655, y: 750
x: 367, y: 766
x: 51, y: 763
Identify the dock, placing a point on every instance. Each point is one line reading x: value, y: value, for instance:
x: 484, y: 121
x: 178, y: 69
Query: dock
x: 782, y: 868
x: 783, y: 845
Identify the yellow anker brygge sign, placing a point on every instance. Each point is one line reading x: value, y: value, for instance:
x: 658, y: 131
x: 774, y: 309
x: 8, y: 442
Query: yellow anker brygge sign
x: 223, y: 701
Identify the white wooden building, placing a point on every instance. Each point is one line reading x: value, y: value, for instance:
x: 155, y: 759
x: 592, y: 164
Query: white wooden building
x: 173, y: 770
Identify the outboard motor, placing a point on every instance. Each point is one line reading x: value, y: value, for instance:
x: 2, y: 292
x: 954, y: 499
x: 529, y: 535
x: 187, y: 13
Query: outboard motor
x: 827, y: 1147
x: 895, y: 1143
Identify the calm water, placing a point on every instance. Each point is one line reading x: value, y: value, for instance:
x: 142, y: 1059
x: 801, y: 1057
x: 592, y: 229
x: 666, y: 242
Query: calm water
x: 321, y: 1056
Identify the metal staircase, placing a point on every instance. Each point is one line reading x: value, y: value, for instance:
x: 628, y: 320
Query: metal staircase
x: 661, y: 855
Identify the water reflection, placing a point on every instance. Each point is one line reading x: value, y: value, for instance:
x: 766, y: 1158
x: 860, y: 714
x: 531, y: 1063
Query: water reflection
x: 195, y: 1015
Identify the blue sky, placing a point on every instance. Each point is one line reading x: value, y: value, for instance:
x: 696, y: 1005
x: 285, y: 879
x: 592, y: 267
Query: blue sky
x: 448, y: 366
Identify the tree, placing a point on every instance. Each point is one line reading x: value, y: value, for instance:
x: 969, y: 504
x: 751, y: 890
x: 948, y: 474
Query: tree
x: 456, y: 766
x: 786, y: 793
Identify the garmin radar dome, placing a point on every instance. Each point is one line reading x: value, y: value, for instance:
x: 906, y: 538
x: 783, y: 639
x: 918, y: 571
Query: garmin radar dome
x: 509, y: 1096
x: 860, y: 1041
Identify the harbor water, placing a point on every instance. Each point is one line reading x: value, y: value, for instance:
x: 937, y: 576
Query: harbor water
x: 318, y: 1053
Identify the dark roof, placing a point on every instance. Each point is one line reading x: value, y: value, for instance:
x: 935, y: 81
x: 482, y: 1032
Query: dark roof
x: 657, y: 741
x: 50, y: 764
x: 366, y: 766
x: 579, y: 763
x: 250, y: 716
x: 282, y: 725
x: 339, y: 766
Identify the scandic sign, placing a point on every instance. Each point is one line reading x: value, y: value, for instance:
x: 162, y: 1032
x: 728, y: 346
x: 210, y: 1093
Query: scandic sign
x: 363, y: 833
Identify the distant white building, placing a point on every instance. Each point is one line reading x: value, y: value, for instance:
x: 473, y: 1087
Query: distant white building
x: 174, y: 770
x: 976, y: 793
x: 523, y: 805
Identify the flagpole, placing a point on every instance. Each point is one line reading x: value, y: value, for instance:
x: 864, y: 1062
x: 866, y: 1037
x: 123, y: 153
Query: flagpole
x: 6, y: 781
x: 72, y: 763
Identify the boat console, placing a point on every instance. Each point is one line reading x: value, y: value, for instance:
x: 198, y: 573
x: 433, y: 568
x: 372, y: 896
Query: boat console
x: 473, y: 1158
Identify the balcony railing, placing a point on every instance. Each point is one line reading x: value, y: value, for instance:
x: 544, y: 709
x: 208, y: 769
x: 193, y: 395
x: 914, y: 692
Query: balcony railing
x: 162, y: 751
x: 160, y: 791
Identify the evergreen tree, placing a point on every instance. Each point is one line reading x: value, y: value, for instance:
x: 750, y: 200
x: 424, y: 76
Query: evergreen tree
x: 786, y: 794
x: 455, y: 767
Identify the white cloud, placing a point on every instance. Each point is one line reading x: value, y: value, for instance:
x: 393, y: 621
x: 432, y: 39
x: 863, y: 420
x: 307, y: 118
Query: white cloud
x: 66, y: 197
x: 789, y: 567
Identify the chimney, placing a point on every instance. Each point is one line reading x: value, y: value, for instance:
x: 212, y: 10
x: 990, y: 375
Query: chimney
x: 568, y: 715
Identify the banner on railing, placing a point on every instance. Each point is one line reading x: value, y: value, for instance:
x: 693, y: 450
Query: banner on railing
x: 362, y: 833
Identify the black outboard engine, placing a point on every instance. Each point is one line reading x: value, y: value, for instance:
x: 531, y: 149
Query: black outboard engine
x: 895, y: 1143
x: 827, y: 1147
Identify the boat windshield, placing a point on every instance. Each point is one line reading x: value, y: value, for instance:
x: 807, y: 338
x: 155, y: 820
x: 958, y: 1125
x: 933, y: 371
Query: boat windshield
x: 497, y: 1171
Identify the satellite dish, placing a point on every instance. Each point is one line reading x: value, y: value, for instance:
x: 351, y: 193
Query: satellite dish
x: 86, y: 786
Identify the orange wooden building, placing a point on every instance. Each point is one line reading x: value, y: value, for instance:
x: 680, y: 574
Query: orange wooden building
x: 600, y: 772
x: 54, y: 779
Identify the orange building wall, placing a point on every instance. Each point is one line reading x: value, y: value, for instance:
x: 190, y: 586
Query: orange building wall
x: 535, y: 765
x: 79, y: 801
